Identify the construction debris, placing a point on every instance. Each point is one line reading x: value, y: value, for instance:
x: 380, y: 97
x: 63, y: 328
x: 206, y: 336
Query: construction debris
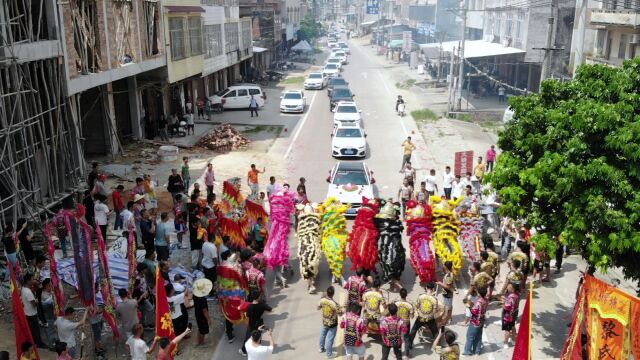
x: 223, y: 138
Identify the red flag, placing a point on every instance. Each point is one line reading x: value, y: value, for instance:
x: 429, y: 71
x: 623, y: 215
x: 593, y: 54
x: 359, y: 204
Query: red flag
x: 573, y: 346
x: 56, y: 285
x: 106, y: 286
x: 23, y: 332
x: 131, y: 256
x: 164, y: 324
x: 522, y: 350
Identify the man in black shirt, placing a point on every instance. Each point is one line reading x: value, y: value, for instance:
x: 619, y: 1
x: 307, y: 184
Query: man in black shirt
x: 148, y: 231
x: 255, y: 310
x: 175, y: 184
x: 93, y: 175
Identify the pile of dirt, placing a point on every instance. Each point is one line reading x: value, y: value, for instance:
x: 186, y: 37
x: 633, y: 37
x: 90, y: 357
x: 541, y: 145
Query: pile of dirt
x: 223, y: 138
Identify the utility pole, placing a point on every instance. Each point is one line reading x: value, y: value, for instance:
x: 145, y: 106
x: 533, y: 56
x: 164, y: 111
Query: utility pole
x: 449, y: 98
x: 461, y: 57
x: 548, y: 49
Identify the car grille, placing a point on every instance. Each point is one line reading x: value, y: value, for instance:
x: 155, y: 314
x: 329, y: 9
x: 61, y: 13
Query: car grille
x: 349, y: 152
x: 291, y: 106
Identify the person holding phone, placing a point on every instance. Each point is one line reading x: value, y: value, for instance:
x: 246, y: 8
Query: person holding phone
x: 255, y: 310
x: 255, y: 349
x: 452, y: 350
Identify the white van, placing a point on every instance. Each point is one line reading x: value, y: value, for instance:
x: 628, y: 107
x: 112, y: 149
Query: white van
x: 239, y: 96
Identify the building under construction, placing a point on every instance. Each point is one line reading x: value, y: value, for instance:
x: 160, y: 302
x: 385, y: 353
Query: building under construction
x: 40, y: 149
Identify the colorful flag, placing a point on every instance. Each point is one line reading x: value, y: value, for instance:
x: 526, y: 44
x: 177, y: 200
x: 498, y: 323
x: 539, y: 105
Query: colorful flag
x: 80, y: 234
x: 131, y: 256
x: 522, y: 350
x: 56, y: 285
x: 164, y: 324
x: 106, y: 286
x: 573, y: 347
x: 22, y: 330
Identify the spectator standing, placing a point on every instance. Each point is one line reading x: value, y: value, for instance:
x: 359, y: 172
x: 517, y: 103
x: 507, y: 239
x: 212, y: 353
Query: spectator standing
x: 252, y: 181
x: 48, y: 312
x: 201, y: 289
x: 407, y: 150
x: 175, y: 184
x: 257, y: 351
x: 491, y: 158
x: 392, y: 329
x: 209, y: 178
x: 478, y: 172
x: 150, y: 192
x: 271, y: 188
x: 127, y: 312
x: 510, y: 313
x: 148, y: 230
x: 191, y: 125
x: 354, y: 328
x: 253, y: 106
x: 430, y: 181
x: 89, y: 214
x: 209, y: 261
x: 138, y: 348
x: 101, y: 211
x: 27, y: 295
x: 127, y: 216
x: 457, y: 188
x: 330, y: 311
x: 118, y: 206
x: 93, y: 175
x: 10, y: 245
x: 100, y: 190
x: 162, y: 128
x: 255, y: 310
x: 449, y: 286
x: 200, y: 107
x: 138, y: 189
x: 186, y: 173
x: 476, y: 325
x: 447, y: 182
x: 255, y: 278
x: 501, y: 94
x: 179, y: 317
x: 404, y: 194
x: 164, y: 353
x: 67, y: 329
x: 97, y: 324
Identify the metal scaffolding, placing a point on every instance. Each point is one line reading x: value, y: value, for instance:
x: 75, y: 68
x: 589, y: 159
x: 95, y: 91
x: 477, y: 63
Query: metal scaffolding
x: 41, y: 159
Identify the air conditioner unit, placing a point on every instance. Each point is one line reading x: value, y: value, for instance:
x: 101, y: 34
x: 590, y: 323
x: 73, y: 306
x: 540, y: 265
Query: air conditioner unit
x: 635, y: 39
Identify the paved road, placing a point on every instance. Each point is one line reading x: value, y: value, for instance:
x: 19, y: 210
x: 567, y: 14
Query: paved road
x: 295, y: 319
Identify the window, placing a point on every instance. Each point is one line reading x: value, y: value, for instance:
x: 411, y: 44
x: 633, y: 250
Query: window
x: 246, y: 34
x: 509, y: 25
x: 600, y: 41
x: 230, y: 37
x: 213, y: 40
x: 195, y: 35
x: 622, y: 49
x: 242, y: 92
x: 254, y: 91
x: 150, y: 9
x: 176, y: 36
x: 230, y: 94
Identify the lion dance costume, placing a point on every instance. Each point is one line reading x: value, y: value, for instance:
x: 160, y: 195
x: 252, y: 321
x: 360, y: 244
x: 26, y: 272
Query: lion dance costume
x: 309, y: 248
x: 445, y: 232
x: 391, y: 252
x: 232, y: 290
x: 334, y: 235
x: 470, y: 230
x: 276, y: 250
x: 419, y: 231
x: 363, y: 239
x: 238, y: 214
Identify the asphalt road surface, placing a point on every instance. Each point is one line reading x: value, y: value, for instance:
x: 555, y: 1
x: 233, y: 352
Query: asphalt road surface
x: 295, y: 320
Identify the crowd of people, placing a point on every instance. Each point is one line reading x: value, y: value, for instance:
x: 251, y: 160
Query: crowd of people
x: 195, y: 214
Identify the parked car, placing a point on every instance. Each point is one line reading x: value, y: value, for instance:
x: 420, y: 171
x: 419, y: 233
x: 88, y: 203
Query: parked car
x: 349, y: 182
x: 331, y: 70
x: 348, y: 140
x: 335, y: 81
x: 347, y: 112
x: 336, y: 61
x: 315, y: 80
x: 340, y: 93
x: 344, y: 47
x: 238, y: 96
x: 340, y: 54
x: 293, y: 101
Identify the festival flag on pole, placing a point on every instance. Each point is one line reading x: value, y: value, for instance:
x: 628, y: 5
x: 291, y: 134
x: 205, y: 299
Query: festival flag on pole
x: 522, y: 350
x: 56, y: 285
x: 131, y: 256
x: 573, y: 347
x: 164, y: 324
x: 106, y: 286
x: 22, y: 330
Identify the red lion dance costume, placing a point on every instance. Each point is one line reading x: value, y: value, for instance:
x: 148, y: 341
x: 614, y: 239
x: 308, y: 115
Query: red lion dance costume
x: 276, y: 250
x: 419, y: 232
x: 363, y: 239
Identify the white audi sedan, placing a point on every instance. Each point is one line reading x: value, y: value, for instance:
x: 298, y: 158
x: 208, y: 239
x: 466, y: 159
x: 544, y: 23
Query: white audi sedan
x: 349, y: 182
x: 293, y: 101
x: 348, y: 140
x: 316, y: 81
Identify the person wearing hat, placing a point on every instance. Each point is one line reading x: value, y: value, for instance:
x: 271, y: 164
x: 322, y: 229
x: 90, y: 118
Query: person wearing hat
x: 201, y: 289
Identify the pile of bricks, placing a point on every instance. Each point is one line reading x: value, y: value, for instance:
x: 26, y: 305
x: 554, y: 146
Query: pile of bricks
x: 223, y: 138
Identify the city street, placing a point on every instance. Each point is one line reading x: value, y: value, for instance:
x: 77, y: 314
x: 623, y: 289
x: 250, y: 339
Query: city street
x: 306, y: 152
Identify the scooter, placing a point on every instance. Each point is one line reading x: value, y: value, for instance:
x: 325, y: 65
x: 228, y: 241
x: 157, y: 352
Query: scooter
x: 401, y: 109
x: 178, y: 129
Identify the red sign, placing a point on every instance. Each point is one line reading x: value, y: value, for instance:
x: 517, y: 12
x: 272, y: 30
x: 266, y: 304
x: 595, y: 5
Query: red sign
x: 463, y: 163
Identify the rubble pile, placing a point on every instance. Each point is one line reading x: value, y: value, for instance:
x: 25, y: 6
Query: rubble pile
x: 223, y: 138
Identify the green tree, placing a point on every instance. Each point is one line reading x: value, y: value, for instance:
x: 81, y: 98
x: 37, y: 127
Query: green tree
x: 571, y: 164
x: 309, y: 28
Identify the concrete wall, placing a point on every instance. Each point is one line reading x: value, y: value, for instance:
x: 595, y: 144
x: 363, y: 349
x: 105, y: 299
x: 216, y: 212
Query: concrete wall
x: 191, y: 65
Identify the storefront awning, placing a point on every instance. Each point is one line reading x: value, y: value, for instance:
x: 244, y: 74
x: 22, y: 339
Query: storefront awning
x: 183, y: 9
x: 472, y: 49
x: 257, y: 49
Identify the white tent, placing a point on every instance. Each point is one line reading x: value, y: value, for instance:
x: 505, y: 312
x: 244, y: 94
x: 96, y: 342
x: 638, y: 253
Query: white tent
x: 302, y: 46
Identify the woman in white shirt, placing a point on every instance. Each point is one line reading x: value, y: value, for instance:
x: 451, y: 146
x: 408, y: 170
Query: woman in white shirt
x: 101, y: 211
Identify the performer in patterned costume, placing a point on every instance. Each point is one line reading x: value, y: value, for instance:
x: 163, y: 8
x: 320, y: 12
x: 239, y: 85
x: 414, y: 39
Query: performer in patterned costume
x: 470, y: 229
x: 276, y: 250
x: 309, y: 248
x: 446, y: 228
x: 334, y: 236
x: 373, y: 306
x: 419, y: 231
x: 363, y: 239
x: 391, y: 252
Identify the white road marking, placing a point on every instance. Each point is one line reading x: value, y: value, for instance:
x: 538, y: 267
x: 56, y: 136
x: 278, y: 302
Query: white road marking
x: 304, y: 120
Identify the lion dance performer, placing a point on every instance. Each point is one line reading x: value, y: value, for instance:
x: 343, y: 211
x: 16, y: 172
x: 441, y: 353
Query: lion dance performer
x: 419, y: 231
x: 391, y: 252
x: 334, y: 236
x: 363, y: 239
x: 237, y: 214
x: 445, y: 232
x: 232, y: 290
x: 309, y: 248
x: 470, y: 229
x: 276, y: 250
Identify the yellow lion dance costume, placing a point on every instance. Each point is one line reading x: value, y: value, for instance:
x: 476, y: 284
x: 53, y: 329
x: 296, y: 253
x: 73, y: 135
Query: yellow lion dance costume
x: 334, y: 235
x: 446, y: 229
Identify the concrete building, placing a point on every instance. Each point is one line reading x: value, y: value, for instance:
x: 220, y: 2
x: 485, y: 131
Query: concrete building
x: 605, y: 33
x: 266, y: 24
x: 291, y: 21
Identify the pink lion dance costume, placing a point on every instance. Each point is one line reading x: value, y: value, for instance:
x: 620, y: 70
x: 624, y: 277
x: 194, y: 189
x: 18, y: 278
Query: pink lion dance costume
x: 419, y: 231
x: 363, y: 239
x: 276, y: 250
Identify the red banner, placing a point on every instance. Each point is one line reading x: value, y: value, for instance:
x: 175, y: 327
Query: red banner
x: 573, y: 347
x: 164, y: 324
x: 522, y: 350
x: 21, y: 327
x: 131, y: 257
x: 56, y: 285
x: 463, y: 163
x: 106, y: 286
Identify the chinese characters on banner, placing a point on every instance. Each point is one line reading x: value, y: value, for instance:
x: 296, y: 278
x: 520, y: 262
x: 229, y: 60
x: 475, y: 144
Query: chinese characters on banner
x: 373, y: 7
x: 612, y: 323
x: 463, y: 163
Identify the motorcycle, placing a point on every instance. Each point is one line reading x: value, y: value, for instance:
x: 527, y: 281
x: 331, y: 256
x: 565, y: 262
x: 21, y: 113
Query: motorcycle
x: 273, y: 75
x: 179, y: 129
x: 401, y: 109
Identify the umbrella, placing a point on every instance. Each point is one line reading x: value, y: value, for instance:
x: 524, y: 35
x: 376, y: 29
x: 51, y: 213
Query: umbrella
x: 302, y: 46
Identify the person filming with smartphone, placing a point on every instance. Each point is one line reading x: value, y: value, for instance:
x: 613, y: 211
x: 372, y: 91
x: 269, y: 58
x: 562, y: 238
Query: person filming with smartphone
x: 255, y: 349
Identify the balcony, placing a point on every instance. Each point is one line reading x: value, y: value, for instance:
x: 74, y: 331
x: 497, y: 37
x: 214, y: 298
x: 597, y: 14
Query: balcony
x: 615, y: 17
x: 601, y: 60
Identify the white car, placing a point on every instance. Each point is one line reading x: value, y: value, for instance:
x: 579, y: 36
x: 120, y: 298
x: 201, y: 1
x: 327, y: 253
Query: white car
x: 347, y: 112
x: 336, y: 61
x: 349, y: 182
x: 348, y: 140
x: 315, y: 80
x: 340, y: 55
x: 344, y: 47
x: 331, y: 70
x: 331, y: 44
x: 293, y: 101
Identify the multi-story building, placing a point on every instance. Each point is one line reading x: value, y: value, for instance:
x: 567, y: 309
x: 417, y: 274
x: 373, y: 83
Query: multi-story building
x: 290, y: 22
x: 266, y: 20
x: 605, y: 33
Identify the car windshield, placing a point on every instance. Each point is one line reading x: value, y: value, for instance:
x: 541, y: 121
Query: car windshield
x: 348, y: 133
x: 315, y: 76
x: 331, y: 66
x: 222, y: 92
x: 293, y: 96
x: 347, y: 109
x: 339, y: 54
x: 333, y: 60
x: 355, y: 177
x: 342, y: 93
x: 338, y: 81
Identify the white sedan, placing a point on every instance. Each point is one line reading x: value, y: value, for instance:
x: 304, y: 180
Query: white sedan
x: 349, y: 182
x: 347, y: 112
x: 293, y: 101
x: 336, y: 61
x: 331, y: 70
x: 315, y: 80
x: 348, y: 140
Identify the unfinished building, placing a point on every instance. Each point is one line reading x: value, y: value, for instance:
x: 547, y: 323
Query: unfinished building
x: 41, y: 160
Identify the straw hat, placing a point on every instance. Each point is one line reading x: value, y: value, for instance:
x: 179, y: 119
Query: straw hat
x: 202, y: 287
x: 138, y: 197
